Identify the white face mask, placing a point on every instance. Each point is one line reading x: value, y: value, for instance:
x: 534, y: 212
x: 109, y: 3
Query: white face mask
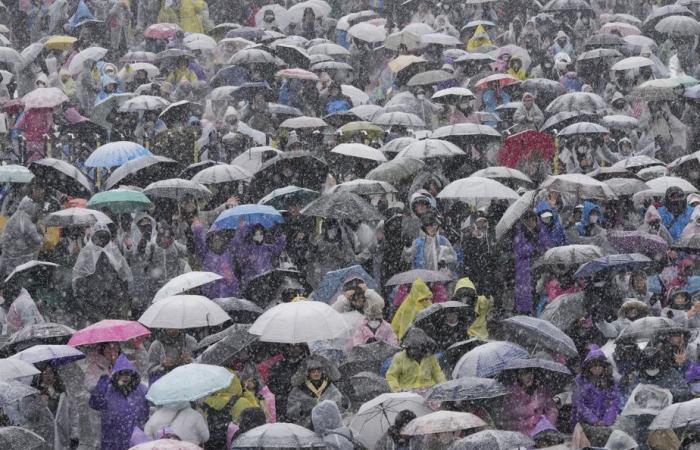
x: 593, y: 218
x: 547, y: 219
x: 652, y: 372
x: 258, y: 237
x: 374, y: 323
x: 599, y: 284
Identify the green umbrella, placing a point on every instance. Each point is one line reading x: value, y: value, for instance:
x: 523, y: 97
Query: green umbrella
x: 14, y: 173
x: 120, y: 201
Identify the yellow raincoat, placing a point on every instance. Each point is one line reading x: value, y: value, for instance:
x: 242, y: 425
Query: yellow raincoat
x: 167, y: 15
x: 416, y: 301
x: 219, y: 399
x: 248, y: 400
x: 481, y: 310
x: 190, y: 22
x: 406, y: 374
x: 520, y: 73
x: 479, y: 39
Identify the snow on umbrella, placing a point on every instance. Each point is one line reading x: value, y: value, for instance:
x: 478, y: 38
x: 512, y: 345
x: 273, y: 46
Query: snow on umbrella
x: 583, y: 128
x: 49, y: 97
x: 569, y: 255
x: 466, y: 389
x: 501, y: 79
x: 397, y: 118
x: 367, y: 32
x: 655, y: 90
x: 12, y: 391
x: 539, y: 333
x: 280, y: 198
x: 607, y: 173
x: 57, y: 355
x: 442, y: 422
x: 631, y: 63
x: 41, y: 333
x: 644, y: 329
x: 10, y: 56
x: 493, y: 440
x: 253, y: 158
x: 341, y: 205
x: 249, y: 56
x: 478, y: 190
x: 396, y: 171
x: 651, y: 245
x: 429, y: 78
x: 564, y: 310
x: 166, y: 444
x: 430, y: 148
x: 603, y: 40
x: 281, y: 15
x: 333, y: 50
x: 120, y: 201
x: 564, y: 118
x: 452, y: 95
x: 144, y: 103
x: 638, y: 162
x: 463, y: 130
x: 278, y: 435
x: 360, y: 126
x: 142, y: 171
x: 234, y: 340
x: 162, y: 31
x: 299, y: 322
x: 297, y: 123
x: 677, y: 415
x: 177, y: 189
x: 398, y: 144
x: 514, y: 213
x: 621, y: 28
x: 264, y: 215
x: 357, y: 96
x: 439, y: 39
x: 402, y: 38
x: 661, y: 184
x: 325, y: 66
x: 361, y: 186
x: 503, y: 173
x: 488, y: 359
x: 115, y: 154
x: 185, y: 282
x: 580, y: 185
x: 105, y: 107
x: 199, y: 41
x: 567, y: 6
x: 647, y: 399
x: 620, y: 122
x: 576, y: 101
x: 138, y: 57
x: 108, y: 331
x: 360, y: 151
x: 14, y: 173
x: 182, y: 312
x: 20, y: 438
x: 189, y: 383
x: 678, y: 26
x: 408, y: 277
x: 13, y: 368
x: 625, y: 262
x: 598, y: 53
x: 297, y: 74
x: 319, y: 7
x: 626, y: 186
x: 374, y: 417
x: 222, y: 173
x: 75, y: 217
x: 77, y: 64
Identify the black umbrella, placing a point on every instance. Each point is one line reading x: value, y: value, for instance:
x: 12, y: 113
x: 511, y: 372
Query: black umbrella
x: 433, y: 317
x: 544, y: 90
x: 366, y: 358
x: 193, y: 169
x: 539, y: 333
x: 270, y: 287
x: 644, y: 329
x: 143, y: 171
x: 240, y: 309
x: 230, y: 346
x: 493, y: 440
x: 604, y: 40
x: 366, y: 386
x: 553, y: 374
x: 341, y: 118
x: 466, y: 389
x: 342, y: 205
x: 61, y: 176
x: 305, y: 169
x: 458, y: 349
x: 566, y: 118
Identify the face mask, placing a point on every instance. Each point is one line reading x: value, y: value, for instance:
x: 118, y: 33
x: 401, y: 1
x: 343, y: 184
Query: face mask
x: 599, y: 284
x: 652, y: 372
x: 421, y: 96
x: 593, y: 218
x: 547, y: 220
x: 465, y: 105
x: 374, y: 323
x: 258, y: 237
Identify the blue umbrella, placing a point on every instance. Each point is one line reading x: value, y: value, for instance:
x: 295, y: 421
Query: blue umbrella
x: 189, y: 383
x: 631, y: 261
x: 57, y: 355
x: 264, y: 215
x: 333, y: 281
x: 488, y: 360
x: 115, y: 154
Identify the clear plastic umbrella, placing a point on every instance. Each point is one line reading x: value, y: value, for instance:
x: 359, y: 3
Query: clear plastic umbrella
x: 493, y: 440
x: 75, y: 217
x: 677, y: 415
x: 477, y: 190
x: 184, y: 311
x: 189, y: 383
x: 20, y: 438
x: 278, y: 435
x: 360, y: 151
x: 49, y: 97
x: 177, y: 189
x: 362, y: 186
x: 144, y: 103
x: 77, y: 64
x: 430, y: 148
x: 400, y: 119
x: 660, y: 184
x: 488, y: 359
x: 678, y: 26
x: 222, y: 173
x: 13, y: 369
x: 442, y: 422
x: 466, y: 389
x: 539, y: 333
x: 580, y: 185
x: 367, y: 32
x: 184, y: 283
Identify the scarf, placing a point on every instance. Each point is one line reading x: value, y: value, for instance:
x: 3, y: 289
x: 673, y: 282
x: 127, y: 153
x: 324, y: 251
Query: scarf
x: 314, y: 390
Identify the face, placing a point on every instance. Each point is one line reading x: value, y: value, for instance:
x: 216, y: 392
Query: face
x: 165, y: 239
x: 677, y: 340
x: 528, y: 101
x: 315, y: 374
x: 101, y: 238
x: 431, y: 230
x: 145, y: 226
x: 597, y: 370
x: 48, y: 376
x: 526, y: 378
x: 123, y: 379
x: 420, y: 208
x: 172, y: 332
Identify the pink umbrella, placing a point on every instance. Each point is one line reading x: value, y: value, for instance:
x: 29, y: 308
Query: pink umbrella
x: 161, y: 31
x: 44, y: 98
x: 166, y: 444
x: 501, y: 78
x: 625, y: 29
x: 108, y: 331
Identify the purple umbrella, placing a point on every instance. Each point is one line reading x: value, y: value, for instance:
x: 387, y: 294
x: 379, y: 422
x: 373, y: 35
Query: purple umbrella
x: 638, y: 241
x: 57, y: 355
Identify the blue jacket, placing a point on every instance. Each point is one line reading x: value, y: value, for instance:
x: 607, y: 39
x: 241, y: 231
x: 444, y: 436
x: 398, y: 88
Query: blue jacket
x: 419, y: 259
x: 675, y: 225
x: 588, y: 208
x: 551, y: 235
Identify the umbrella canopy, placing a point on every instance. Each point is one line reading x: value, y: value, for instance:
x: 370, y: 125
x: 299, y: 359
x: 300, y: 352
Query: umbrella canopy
x: 310, y: 172
x: 249, y: 56
x: 631, y: 63
x: 430, y: 148
x: 580, y: 185
x: 177, y: 189
x: 144, y: 103
x: 297, y: 123
x: 364, y: 187
x: 367, y: 32
x: 442, y: 422
x: 503, y: 173
x: 429, y: 78
x: 185, y: 282
x: 333, y: 50
x: 20, y: 438
x: 629, y: 261
x: 525, y: 146
x: 660, y: 184
x: 116, y: 154
x: 398, y: 118
x: 222, y: 173
x: 651, y: 245
x: 182, y: 312
x: 677, y: 415
x: 493, y: 439
x: 540, y: 333
x: 281, y: 198
x: 626, y: 187
x: 11, y: 57
x: 620, y: 122
x: 638, y: 162
x: 297, y: 74
x: 253, y: 158
x: 199, y: 41
x: 264, y: 215
x: 162, y: 31
x: 402, y: 38
x: 576, y: 101
x: 299, y: 322
x: 375, y: 417
x: 398, y: 144
x: 13, y: 368
x: 477, y: 190
x: 278, y: 435
x: 166, y: 444
x: 76, y: 217
x: 108, y: 331
x: 428, y: 276
x: 189, y: 383
x: 333, y: 281
x: 55, y: 354
x: 44, y: 98
x: 396, y: 171
x: 120, y: 201
x: 360, y: 151
x: 465, y: 130
x: 678, y: 26
x: 466, y: 389
x: 598, y: 53
x: 569, y: 255
x: 488, y: 359
x: 583, y: 128
x: 12, y: 391
x: 14, y: 173
x: 452, y: 95
x: 40, y: 333
x: 234, y: 339
x: 501, y: 79
x: 33, y: 269
x: 644, y: 329
x: 564, y: 310
x: 342, y: 205
x: 77, y: 64
x: 690, y: 243
x: 514, y: 213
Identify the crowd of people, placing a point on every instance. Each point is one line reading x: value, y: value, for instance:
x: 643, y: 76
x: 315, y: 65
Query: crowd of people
x: 349, y: 224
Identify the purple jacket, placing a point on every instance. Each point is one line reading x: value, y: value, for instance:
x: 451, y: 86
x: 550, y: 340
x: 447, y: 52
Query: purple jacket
x: 525, y: 253
x: 120, y: 414
x: 254, y: 259
x: 217, y: 263
x: 592, y: 404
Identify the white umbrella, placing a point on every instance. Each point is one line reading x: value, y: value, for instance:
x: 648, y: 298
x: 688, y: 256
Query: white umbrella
x: 464, y: 129
x: 367, y: 32
x: 360, y: 151
x: 453, y: 92
x: 442, y: 422
x: 662, y: 183
x: 253, y: 158
x: 13, y: 368
x: 366, y: 112
x: 395, y: 40
x: 633, y: 62
x: 298, y: 322
x: 418, y: 28
x: 222, y: 173
x: 177, y: 189
x: 183, y: 311
x: 278, y: 435
x: 477, y: 189
x: 149, y: 68
x: 580, y: 185
x: 328, y: 49
x: 374, y: 417
x: 430, y: 148
x: 345, y: 22
x: 362, y: 186
x: 281, y: 16
x: 44, y: 98
x: 319, y: 7
x: 76, y: 217
x: 398, y: 118
x: 303, y: 122
x: 439, y: 39
x: 91, y: 53
x: 30, y: 53
x: 144, y: 103
x: 398, y: 144
x: 11, y: 56
x: 199, y: 41
x: 223, y: 93
x: 357, y: 96
x: 501, y: 172
x: 184, y: 283
x: 637, y: 162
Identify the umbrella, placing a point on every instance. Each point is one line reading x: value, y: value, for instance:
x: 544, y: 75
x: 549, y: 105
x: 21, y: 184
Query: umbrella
x: 120, y: 201
x: 375, y: 417
x: 402, y: 38
x: 514, y: 213
x: 442, y: 422
x: 434, y: 316
x: 268, y: 287
x: 488, y: 359
x: 361, y: 186
x: 567, y: 6
x: 44, y: 98
x: 138, y: 57
x: 163, y: 31
x: 280, y: 13
x: 398, y: 144
x: 310, y: 172
x: 236, y: 340
x: 638, y: 162
x: 253, y: 158
x: 185, y: 282
x: 178, y: 110
x: 367, y: 32
x: 239, y: 307
x: 661, y: 184
x: 182, y: 312
x: 367, y: 385
x: 108, y: 331
x: 644, y: 329
x: 357, y: 96
x: 580, y: 185
x: 465, y: 130
x: 332, y: 50
x: 678, y: 26
x: 551, y: 371
x: 493, y: 439
x: 360, y: 126
x: 501, y: 78
x: 564, y: 310
x: 199, y: 41
x: 298, y: 322
x: 631, y: 63
x: 75, y: 217
x: 647, y: 399
x: 55, y: 354
x: 77, y: 64
x: 583, y: 128
x: 10, y: 56
x: 297, y: 74
x: 144, y: 103
x: 367, y: 357
x: 115, y: 154
x: 105, y: 107
x: 654, y: 90
x: 143, y: 171
x: 505, y: 175
x: 12, y: 391
x: 651, y: 245
x: 524, y: 147
x: 429, y: 78
x: 569, y: 255
x: 478, y: 190
x: 61, y: 43
x: 466, y: 389
x: 402, y: 62
x: 176, y: 189
x: 13, y: 368
x: 396, y: 171
x: 626, y: 262
x: 222, y: 173
x: 280, y: 198
x: 576, y: 101
x: 620, y: 122
x: 626, y: 186
x: 677, y: 415
x: 360, y: 151
x: 166, y: 444
x: 604, y: 40
x: 297, y: 123
x: 20, y: 438
x: 564, y: 118
x: 248, y: 56
x: 452, y: 95
x: 690, y: 243
x: 540, y: 334
x: 264, y: 215
x: 189, y: 383
x: 333, y: 281
x: 342, y: 205
x: 278, y: 435
x: 33, y: 270
x: 430, y: 148
x: 14, y: 173
x: 598, y: 53
x: 398, y: 118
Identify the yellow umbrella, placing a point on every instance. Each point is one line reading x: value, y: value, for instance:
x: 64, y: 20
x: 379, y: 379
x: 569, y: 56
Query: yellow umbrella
x: 60, y: 42
x: 356, y: 127
x: 401, y: 62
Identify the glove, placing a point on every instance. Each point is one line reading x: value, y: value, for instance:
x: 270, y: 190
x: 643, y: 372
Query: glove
x: 74, y: 443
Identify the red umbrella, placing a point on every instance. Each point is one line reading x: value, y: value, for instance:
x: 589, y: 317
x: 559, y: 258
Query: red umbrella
x: 14, y: 106
x: 501, y: 78
x: 524, y: 146
x: 161, y: 31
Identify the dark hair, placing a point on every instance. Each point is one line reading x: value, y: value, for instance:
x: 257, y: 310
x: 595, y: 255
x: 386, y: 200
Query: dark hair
x: 250, y: 418
x: 402, y: 418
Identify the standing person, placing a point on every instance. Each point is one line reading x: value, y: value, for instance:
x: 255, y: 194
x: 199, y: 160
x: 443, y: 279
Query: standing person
x: 190, y: 19
x: 21, y: 238
x: 675, y: 212
x: 53, y: 393
x: 528, y: 115
x: 373, y: 328
x: 416, y: 367
x: 526, y: 247
x: 527, y: 402
x: 282, y: 372
x: 313, y: 383
x: 330, y: 250
x: 328, y: 424
x: 596, y: 396
x: 480, y: 253
x: 393, y: 439
x: 254, y: 255
x: 419, y: 298
x: 121, y: 399
x: 432, y: 250
x: 172, y: 348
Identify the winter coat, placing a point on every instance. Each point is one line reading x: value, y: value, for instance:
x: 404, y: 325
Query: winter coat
x: 164, y: 264
x: 551, y: 235
x: 21, y: 240
x: 302, y: 401
x: 528, y: 118
x: 406, y: 374
x: 328, y: 424
x: 526, y: 250
x: 363, y: 334
x: 186, y: 423
x: 419, y: 254
x: 190, y: 22
x: 522, y: 411
x: 592, y: 404
x: 220, y: 263
x: 343, y: 305
x: 119, y: 23
x: 120, y: 413
x: 417, y: 300
x: 166, y: 346
x: 675, y: 224
x: 326, y: 256
x: 693, y: 226
x: 278, y: 381
x: 481, y: 310
x: 585, y: 228
x: 255, y: 259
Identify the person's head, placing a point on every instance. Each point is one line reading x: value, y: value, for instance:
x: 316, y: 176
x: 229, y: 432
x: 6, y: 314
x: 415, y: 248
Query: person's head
x: 634, y: 309
x: 638, y: 281
x: 402, y: 419
x: 269, y: 16
x: 315, y: 373
x: 515, y: 63
x: 101, y: 237
x: 547, y: 218
x: 257, y: 234
x: 125, y: 221
x: 526, y: 378
x: 172, y: 332
x: 528, y: 100
x: 48, y: 376
x: 166, y: 235
x: 145, y: 226
x: 680, y: 300
x: 430, y: 224
x: 529, y: 219
x: 674, y: 200
x: 109, y: 351
x: 37, y: 191
x: 294, y: 352
x: 309, y: 15
x: 421, y: 206
x: 251, y: 418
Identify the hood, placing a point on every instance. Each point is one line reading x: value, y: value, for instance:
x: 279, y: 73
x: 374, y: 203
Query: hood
x: 326, y: 417
x: 329, y: 370
x: 624, y: 140
x: 420, y: 291
x: 124, y: 365
x: 480, y: 33
x: 652, y: 215
x: 633, y: 303
x: 464, y: 283
x: 100, y: 226
x: 543, y: 206
x: 695, y: 215
x: 27, y: 206
x: 422, y: 194
x: 543, y: 424
x: 617, y: 96
x: 673, y: 190
x: 588, y: 208
x: 619, y: 440
x: 561, y: 34
x: 595, y: 354
x: 106, y: 80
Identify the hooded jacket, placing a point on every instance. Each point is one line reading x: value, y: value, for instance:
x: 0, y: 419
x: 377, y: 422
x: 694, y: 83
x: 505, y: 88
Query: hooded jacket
x: 255, y: 259
x: 417, y: 300
x: 120, y: 413
x: 186, y: 423
x: 693, y: 226
x: 407, y: 374
x: 585, y: 227
x: 675, y: 223
x: 20, y: 239
x: 552, y: 234
x: 593, y: 404
x: 302, y: 399
x: 652, y: 215
x: 481, y: 310
x: 221, y: 263
x: 328, y: 424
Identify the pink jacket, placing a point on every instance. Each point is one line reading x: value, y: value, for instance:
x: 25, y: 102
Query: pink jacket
x: 384, y: 333
x: 523, y: 411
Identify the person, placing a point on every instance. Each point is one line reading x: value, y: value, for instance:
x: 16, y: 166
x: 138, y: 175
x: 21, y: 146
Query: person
x: 528, y: 115
x: 121, y: 400
x: 62, y: 406
x: 331, y: 249
x: 657, y: 368
x: 416, y: 367
x: 21, y: 239
x: 250, y: 418
x: 478, y: 306
x: 190, y: 15
x: 480, y: 251
x: 328, y: 424
x: 218, y: 411
x: 166, y: 258
x: 184, y: 422
x: 356, y: 296
x: 526, y: 247
x: 596, y: 396
x: 675, y: 212
x: 171, y: 349
x: 432, y: 251
x: 373, y: 328
x: 419, y: 297
x: 312, y: 384
x: 253, y: 255
x: 216, y: 253
x: 653, y: 224
x: 592, y: 217
x: 393, y: 439
x: 527, y: 402
x: 280, y: 374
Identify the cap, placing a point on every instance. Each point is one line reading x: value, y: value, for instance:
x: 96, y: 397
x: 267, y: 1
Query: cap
x: 546, y: 214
